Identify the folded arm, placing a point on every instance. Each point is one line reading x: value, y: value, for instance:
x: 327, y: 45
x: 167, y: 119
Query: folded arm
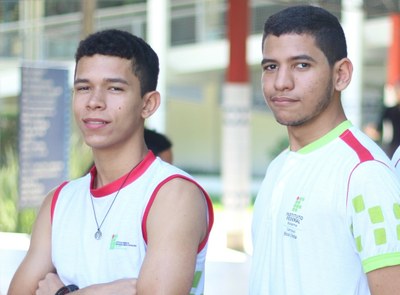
x: 37, y: 262
x: 52, y: 283
x: 36, y: 274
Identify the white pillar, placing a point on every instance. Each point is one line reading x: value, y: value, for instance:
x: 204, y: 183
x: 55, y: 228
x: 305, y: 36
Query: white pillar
x: 352, y: 22
x: 158, y: 36
x: 88, y: 9
x: 236, y: 174
x: 32, y: 13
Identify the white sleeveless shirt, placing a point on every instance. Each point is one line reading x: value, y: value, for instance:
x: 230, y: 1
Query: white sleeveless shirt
x: 81, y: 259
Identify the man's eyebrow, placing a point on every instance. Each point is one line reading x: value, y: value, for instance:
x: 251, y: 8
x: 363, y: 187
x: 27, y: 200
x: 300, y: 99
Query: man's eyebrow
x: 266, y: 60
x: 294, y: 58
x: 303, y: 57
x: 108, y: 80
x: 77, y: 81
x: 116, y: 80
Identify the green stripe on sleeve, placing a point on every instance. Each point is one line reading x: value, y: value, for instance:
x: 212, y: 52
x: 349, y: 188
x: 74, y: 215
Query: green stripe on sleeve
x: 381, y: 261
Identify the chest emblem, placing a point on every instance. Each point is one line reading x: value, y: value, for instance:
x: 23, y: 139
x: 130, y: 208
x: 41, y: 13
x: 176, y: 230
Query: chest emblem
x: 117, y: 244
x: 294, y: 219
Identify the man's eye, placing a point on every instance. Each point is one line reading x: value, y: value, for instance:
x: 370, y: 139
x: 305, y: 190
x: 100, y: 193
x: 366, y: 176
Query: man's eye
x: 269, y: 67
x: 303, y: 65
x: 116, y: 88
x: 81, y: 88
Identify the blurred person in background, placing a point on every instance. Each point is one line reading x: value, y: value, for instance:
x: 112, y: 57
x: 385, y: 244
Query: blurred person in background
x: 159, y: 144
x: 389, y: 124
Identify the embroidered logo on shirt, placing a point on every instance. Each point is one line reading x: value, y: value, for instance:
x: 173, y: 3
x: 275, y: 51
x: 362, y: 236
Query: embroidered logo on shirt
x: 294, y: 219
x: 115, y: 244
x: 297, y: 204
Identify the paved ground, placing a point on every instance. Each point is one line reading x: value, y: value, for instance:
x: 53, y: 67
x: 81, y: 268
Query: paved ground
x: 227, y: 271
x: 12, y: 250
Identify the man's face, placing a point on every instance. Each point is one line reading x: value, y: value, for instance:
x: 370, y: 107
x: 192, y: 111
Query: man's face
x: 107, y: 102
x: 296, y: 78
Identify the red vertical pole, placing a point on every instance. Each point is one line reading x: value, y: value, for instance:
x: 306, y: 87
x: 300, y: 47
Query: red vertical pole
x: 393, y: 65
x: 236, y: 106
x: 238, y: 23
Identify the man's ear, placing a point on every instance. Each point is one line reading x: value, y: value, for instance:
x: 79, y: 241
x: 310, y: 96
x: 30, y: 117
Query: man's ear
x: 343, y: 71
x: 151, y: 102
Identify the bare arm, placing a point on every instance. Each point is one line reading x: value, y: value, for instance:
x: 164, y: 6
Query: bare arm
x: 384, y: 281
x: 176, y: 225
x: 37, y: 275
x: 52, y: 283
x: 37, y: 262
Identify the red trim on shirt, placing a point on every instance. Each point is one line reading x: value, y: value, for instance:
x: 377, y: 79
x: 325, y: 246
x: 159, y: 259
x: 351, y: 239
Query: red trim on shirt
x: 153, y: 196
x: 363, y: 154
x: 55, y: 198
x: 116, y: 185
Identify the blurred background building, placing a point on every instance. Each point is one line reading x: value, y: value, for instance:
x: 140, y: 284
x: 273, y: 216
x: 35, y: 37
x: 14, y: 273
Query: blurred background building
x: 194, y: 64
x: 207, y: 128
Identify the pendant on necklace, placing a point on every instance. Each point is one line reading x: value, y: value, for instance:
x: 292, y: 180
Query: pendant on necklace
x: 98, y: 234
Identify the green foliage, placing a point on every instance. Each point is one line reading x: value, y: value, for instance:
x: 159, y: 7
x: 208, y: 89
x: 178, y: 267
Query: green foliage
x: 26, y: 218
x: 8, y: 135
x: 80, y: 157
x: 9, y: 192
x: 13, y: 220
x: 282, y: 144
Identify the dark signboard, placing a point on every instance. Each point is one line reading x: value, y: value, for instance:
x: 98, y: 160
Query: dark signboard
x: 44, y: 132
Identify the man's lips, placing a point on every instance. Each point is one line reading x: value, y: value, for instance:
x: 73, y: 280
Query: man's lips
x: 282, y: 100
x: 94, y: 122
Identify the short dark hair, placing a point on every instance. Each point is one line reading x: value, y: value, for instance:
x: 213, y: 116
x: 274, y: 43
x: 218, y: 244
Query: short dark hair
x: 315, y: 21
x: 113, y: 42
x: 156, y: 142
